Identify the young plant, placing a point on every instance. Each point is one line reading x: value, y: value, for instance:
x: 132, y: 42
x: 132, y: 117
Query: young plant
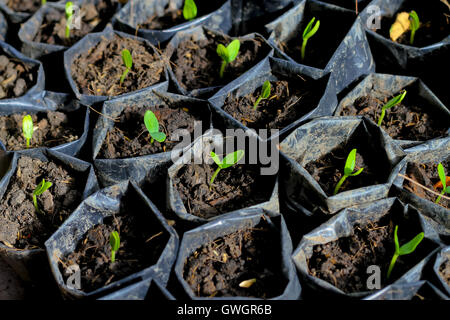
x: 405, y: 249
x: 228, y: 54
x: 308, y: 33
x: 27, y: 128
x: 265, y: 93
x: 391, y: 103
x: 189, y: 10
x: 152, y: 125
x: 443, y: 178
x: 43, y: 2
x: 114, y: 241
x: 69, y: 18
x: 348, y: 170
x: 128, y: 62
x: 40, y: 189
x: 414, y: 25
x: 230, y: 160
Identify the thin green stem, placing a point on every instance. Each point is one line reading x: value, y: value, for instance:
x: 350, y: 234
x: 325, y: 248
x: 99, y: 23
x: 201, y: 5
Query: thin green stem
x: 113, y: 256
x: 411, y: 39
x: 339, y: 184
x: 391, y: 266
x: 28, y: 143
x: 36, y: 204
x: 439, y: 198
x: 68, y: 23
x: 383, y: 113
x: 303, y: 49
x: 257, y: 102
x: 43, y: 2
x: 222, y: 68
x: 124, y: 74
x: 214, y: 177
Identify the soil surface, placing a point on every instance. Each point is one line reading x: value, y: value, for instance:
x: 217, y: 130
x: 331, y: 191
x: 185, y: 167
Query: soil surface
x: 52, y: 129
x: 16, y: 78
x: 444, y: 271
x: 427, y: 175
x: 329, y: 169
x: 130, y: 138
x: 26, y: 6
x: 97, y: 71
x: 142, y: 240
x: 197, y: 65
x: 288, y: 102
x: 344, y: 262
x: 93, y: 18
x: 404, y: 121
x: 172, y: 16
x: 217, y: 268
x: 20, y: 226
x: 234, y: 188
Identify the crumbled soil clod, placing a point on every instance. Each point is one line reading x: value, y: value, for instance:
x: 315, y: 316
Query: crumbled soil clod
x: 98, y: 70
x: 20, y: 225
x: 26, y: 6
x: 16, y: 78
x: 217, y: 268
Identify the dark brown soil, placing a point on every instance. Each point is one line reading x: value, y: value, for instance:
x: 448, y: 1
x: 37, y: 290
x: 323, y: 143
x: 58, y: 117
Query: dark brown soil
x: 27, y: 6
x: 173, y: 17
x: 197, y: 65
x: 53, y: 27
x: 404, y: 121
x: 426, y: 175
x: 16, y: 78
x: 98, y: 70
x: 344, y: 262
x: 20, y: 226
x: 234, y: 188
x: 52, y: 128
x: 142, y: 240
x: 130, y: 138
x: 329, y: 169
x: 288, y: 102
x: 217, y: 268
x: 444, y: 271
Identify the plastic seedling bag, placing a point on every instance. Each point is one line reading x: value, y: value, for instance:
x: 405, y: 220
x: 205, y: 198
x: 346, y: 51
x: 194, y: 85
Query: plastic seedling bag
x: 135, y: 14
x: 195, y: 239
x: 339, y: 45
x: 3, y: 27
x: 423, y: 290
x: 441, y: 268
x: 148, y: 289
x: 313, y: 153
x: 29, y: 263
x: 422, y: 116
x: 360, y: 223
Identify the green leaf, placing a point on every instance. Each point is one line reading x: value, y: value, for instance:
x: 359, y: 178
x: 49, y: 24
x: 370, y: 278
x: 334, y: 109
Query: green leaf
x: 409, y: 247
x: 158, y: 136
x: 223, y: 52
x: 216, y: 159
x: 414, y: 20
x: 350, y: 163
x: 42, y: 187
x: 27, y: 126
x: 114, y: 241
x: 357, y: 172
x: 309, y: 30
x: 127, y: 59
x: 189, y: 10
x: 395, y: 100
x: 233, y: 50
x: 232, y: 158
x: 442, y: 176
x: 69, y: 9
x: 151, y: 122
x: 265, y: 92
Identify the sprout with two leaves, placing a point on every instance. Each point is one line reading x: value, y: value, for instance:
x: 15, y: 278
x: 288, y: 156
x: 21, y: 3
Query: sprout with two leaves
x: 27, y: 128
x: 265, y: 93
x: 391, y: 103
x: 228, y: 161
x: 348, y: 170
x: 228, y: 54
x: 308, y: 33
x: 128, y: 62
x: 443, y: 178
x: 40, y: 189
x: 414, y: 25
x: 152, y: 125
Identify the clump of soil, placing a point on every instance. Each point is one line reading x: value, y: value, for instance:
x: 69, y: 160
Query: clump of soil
x: 403, y: 122
x: 218, y: 267
x: 26, y: 6
x: 20, y: 226
x: 329, y: 169
x: 172, y: 16
x: 51, y: 129
x: 427, y: 175
x: 93, y: 17
x: 287, y: 103
x: 234, y: 188
x: 16, y: 78
x: 444, y: 271
x: 130, y: 137
x: 344, y: 262
x: 98, y: 70
x: 142, y: 241
x: 197, y: 64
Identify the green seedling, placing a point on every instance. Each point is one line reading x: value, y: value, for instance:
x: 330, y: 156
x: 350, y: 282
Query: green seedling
x: 40, y: 189
x: 27, y: 128
x: 228, y: 54
x: 128, y: 62
x: 189, y: 10
x: 391, y: 103
x: 348, y: 170
x: 405, y: 249
x: 308, y: 33
x: 230, y: 160
x: 114, y: 241
x: 152, y: 125
x: 414, y: 25
x: 69, y: 18
x: 443, y: 178
x: 265, y: 93
x: 43, y: 2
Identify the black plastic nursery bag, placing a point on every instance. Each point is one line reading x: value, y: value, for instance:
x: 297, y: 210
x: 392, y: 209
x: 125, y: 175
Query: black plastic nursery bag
x: 3, y: 27
x: 423, y: 290
x: 148, y: 289
x: 441, y: 268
